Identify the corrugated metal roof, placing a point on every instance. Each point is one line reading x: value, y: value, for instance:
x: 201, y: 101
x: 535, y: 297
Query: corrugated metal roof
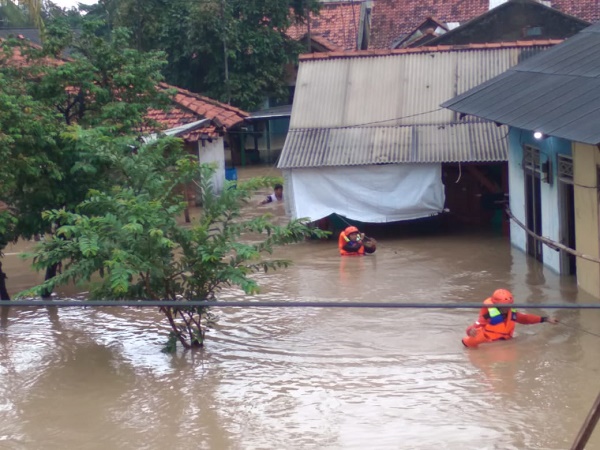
x: 556, y: 92
x: 353, y: 91
x: 367, y: 109
x: 354, y: 146
x: 271, y: 113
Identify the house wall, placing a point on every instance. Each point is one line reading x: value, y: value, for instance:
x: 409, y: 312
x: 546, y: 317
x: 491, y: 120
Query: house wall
x: 586, y: 161
x: 515, y: 22
x: 549, y: 149
x: 214, y: 153
x: 270, y: 140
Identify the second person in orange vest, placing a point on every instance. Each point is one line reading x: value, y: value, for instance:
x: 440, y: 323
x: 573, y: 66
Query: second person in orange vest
x: 353, y: 242
x: 497, y: 320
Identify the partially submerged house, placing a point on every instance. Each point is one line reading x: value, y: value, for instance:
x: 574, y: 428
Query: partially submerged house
x: 513, y: 20
x: 368, y: 140
x: 394, y: 20
x: 210, y: 130
x: 551, y: 102
x: 423, y: 34
x: 338, y: 26
x: 350, y: 25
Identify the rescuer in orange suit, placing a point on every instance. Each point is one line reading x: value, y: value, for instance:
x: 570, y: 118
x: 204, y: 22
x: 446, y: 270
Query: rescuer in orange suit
x: 352, y: 242
x: 497, y: 320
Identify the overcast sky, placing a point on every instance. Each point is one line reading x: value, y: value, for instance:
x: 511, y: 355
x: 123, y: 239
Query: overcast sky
x: 73, y: 3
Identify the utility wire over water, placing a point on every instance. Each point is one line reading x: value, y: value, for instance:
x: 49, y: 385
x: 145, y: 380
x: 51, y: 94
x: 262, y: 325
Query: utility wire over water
x: 280, y: 304
x: 579, y: 329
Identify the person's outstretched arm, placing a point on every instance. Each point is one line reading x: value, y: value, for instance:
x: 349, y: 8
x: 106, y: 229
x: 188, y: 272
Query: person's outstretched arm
x: 530, y: 319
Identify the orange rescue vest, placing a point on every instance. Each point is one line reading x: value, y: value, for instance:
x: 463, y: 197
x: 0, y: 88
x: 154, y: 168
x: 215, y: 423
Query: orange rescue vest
x: 342, y: 240
x: 501, y: 330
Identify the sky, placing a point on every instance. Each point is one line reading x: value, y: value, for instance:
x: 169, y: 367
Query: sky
x: 73, y: 3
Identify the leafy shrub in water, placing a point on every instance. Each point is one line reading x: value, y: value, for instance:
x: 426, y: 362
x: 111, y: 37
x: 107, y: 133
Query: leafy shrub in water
x: 127, y: 243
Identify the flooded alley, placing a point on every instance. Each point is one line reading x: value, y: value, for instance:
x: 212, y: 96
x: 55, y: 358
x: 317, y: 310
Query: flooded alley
x: 313, y: 378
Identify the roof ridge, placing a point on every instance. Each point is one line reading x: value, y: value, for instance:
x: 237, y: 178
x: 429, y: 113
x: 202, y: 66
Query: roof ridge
x: 425, y: 49
x: 205, y: 99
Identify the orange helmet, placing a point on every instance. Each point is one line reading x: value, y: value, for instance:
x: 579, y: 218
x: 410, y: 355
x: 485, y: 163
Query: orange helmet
x: 350, y: 230
x: 502, y: 296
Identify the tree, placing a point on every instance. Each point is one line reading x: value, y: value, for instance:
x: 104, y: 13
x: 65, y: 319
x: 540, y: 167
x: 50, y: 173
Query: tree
x: 29, y: 151
x: 14, y: 12
x: 235, y: 51
x: 12, y: 16
x: 104, y: 86
x: 51, y: 12
x: 104, y: 83
x: 128, y: 244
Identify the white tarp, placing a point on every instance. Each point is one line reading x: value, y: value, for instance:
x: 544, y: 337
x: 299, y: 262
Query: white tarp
x: 375, y: 194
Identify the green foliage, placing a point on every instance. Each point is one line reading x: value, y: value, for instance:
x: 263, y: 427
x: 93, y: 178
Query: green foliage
x: 105, y: 83
x: 29, y: 151
x: 127, y: 242
x: 59, y: 119
x: 235, y: 51
x: 51, y: 12
x: 13, y: 15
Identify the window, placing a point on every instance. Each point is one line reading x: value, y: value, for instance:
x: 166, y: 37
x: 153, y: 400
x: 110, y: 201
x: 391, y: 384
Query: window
x: 565, y: 169
x: 533, y: 31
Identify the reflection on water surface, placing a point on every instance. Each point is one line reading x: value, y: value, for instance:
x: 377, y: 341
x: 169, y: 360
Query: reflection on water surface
x: 312, y: 378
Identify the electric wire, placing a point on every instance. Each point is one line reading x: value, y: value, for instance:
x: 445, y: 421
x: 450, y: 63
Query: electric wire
x: 280, y: 304
x: 579, y: 329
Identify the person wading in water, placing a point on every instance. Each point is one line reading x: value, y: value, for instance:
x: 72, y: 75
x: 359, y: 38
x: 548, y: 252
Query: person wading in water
x: 352, y: 242
x: 497, y: 320
x: 276, y: 196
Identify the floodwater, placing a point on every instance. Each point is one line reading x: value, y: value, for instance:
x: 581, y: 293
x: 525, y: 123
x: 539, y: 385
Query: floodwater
x: 319, y: 378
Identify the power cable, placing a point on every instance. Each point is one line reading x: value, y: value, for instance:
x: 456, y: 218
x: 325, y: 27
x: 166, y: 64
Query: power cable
x: 279, y: 304
x: 355, y: 125
x: 579, y: 329
x: 358, y: 125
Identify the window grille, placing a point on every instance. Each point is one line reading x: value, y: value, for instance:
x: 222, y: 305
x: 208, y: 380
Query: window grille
x: 531, y: 160
x: 565, y: 169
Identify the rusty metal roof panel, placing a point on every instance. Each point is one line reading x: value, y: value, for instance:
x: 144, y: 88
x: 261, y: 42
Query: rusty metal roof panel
x: 355, y: 146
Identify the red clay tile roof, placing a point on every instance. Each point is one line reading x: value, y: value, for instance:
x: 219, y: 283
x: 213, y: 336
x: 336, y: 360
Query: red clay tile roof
x: 588, y: 10
x: 189, y: 107
x: 221, y: 114
x: 438, y: 48
x: 428, y: 29
x: 327, y: 44
x: 338, y: 22
x: 176, y: 117
x: 393, y: 19
x: 18, y: 59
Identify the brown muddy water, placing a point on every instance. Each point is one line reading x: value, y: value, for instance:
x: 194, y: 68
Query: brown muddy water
x: 319, y: 378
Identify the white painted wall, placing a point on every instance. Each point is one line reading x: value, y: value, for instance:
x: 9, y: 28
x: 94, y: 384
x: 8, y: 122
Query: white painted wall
x: 214, y: 153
